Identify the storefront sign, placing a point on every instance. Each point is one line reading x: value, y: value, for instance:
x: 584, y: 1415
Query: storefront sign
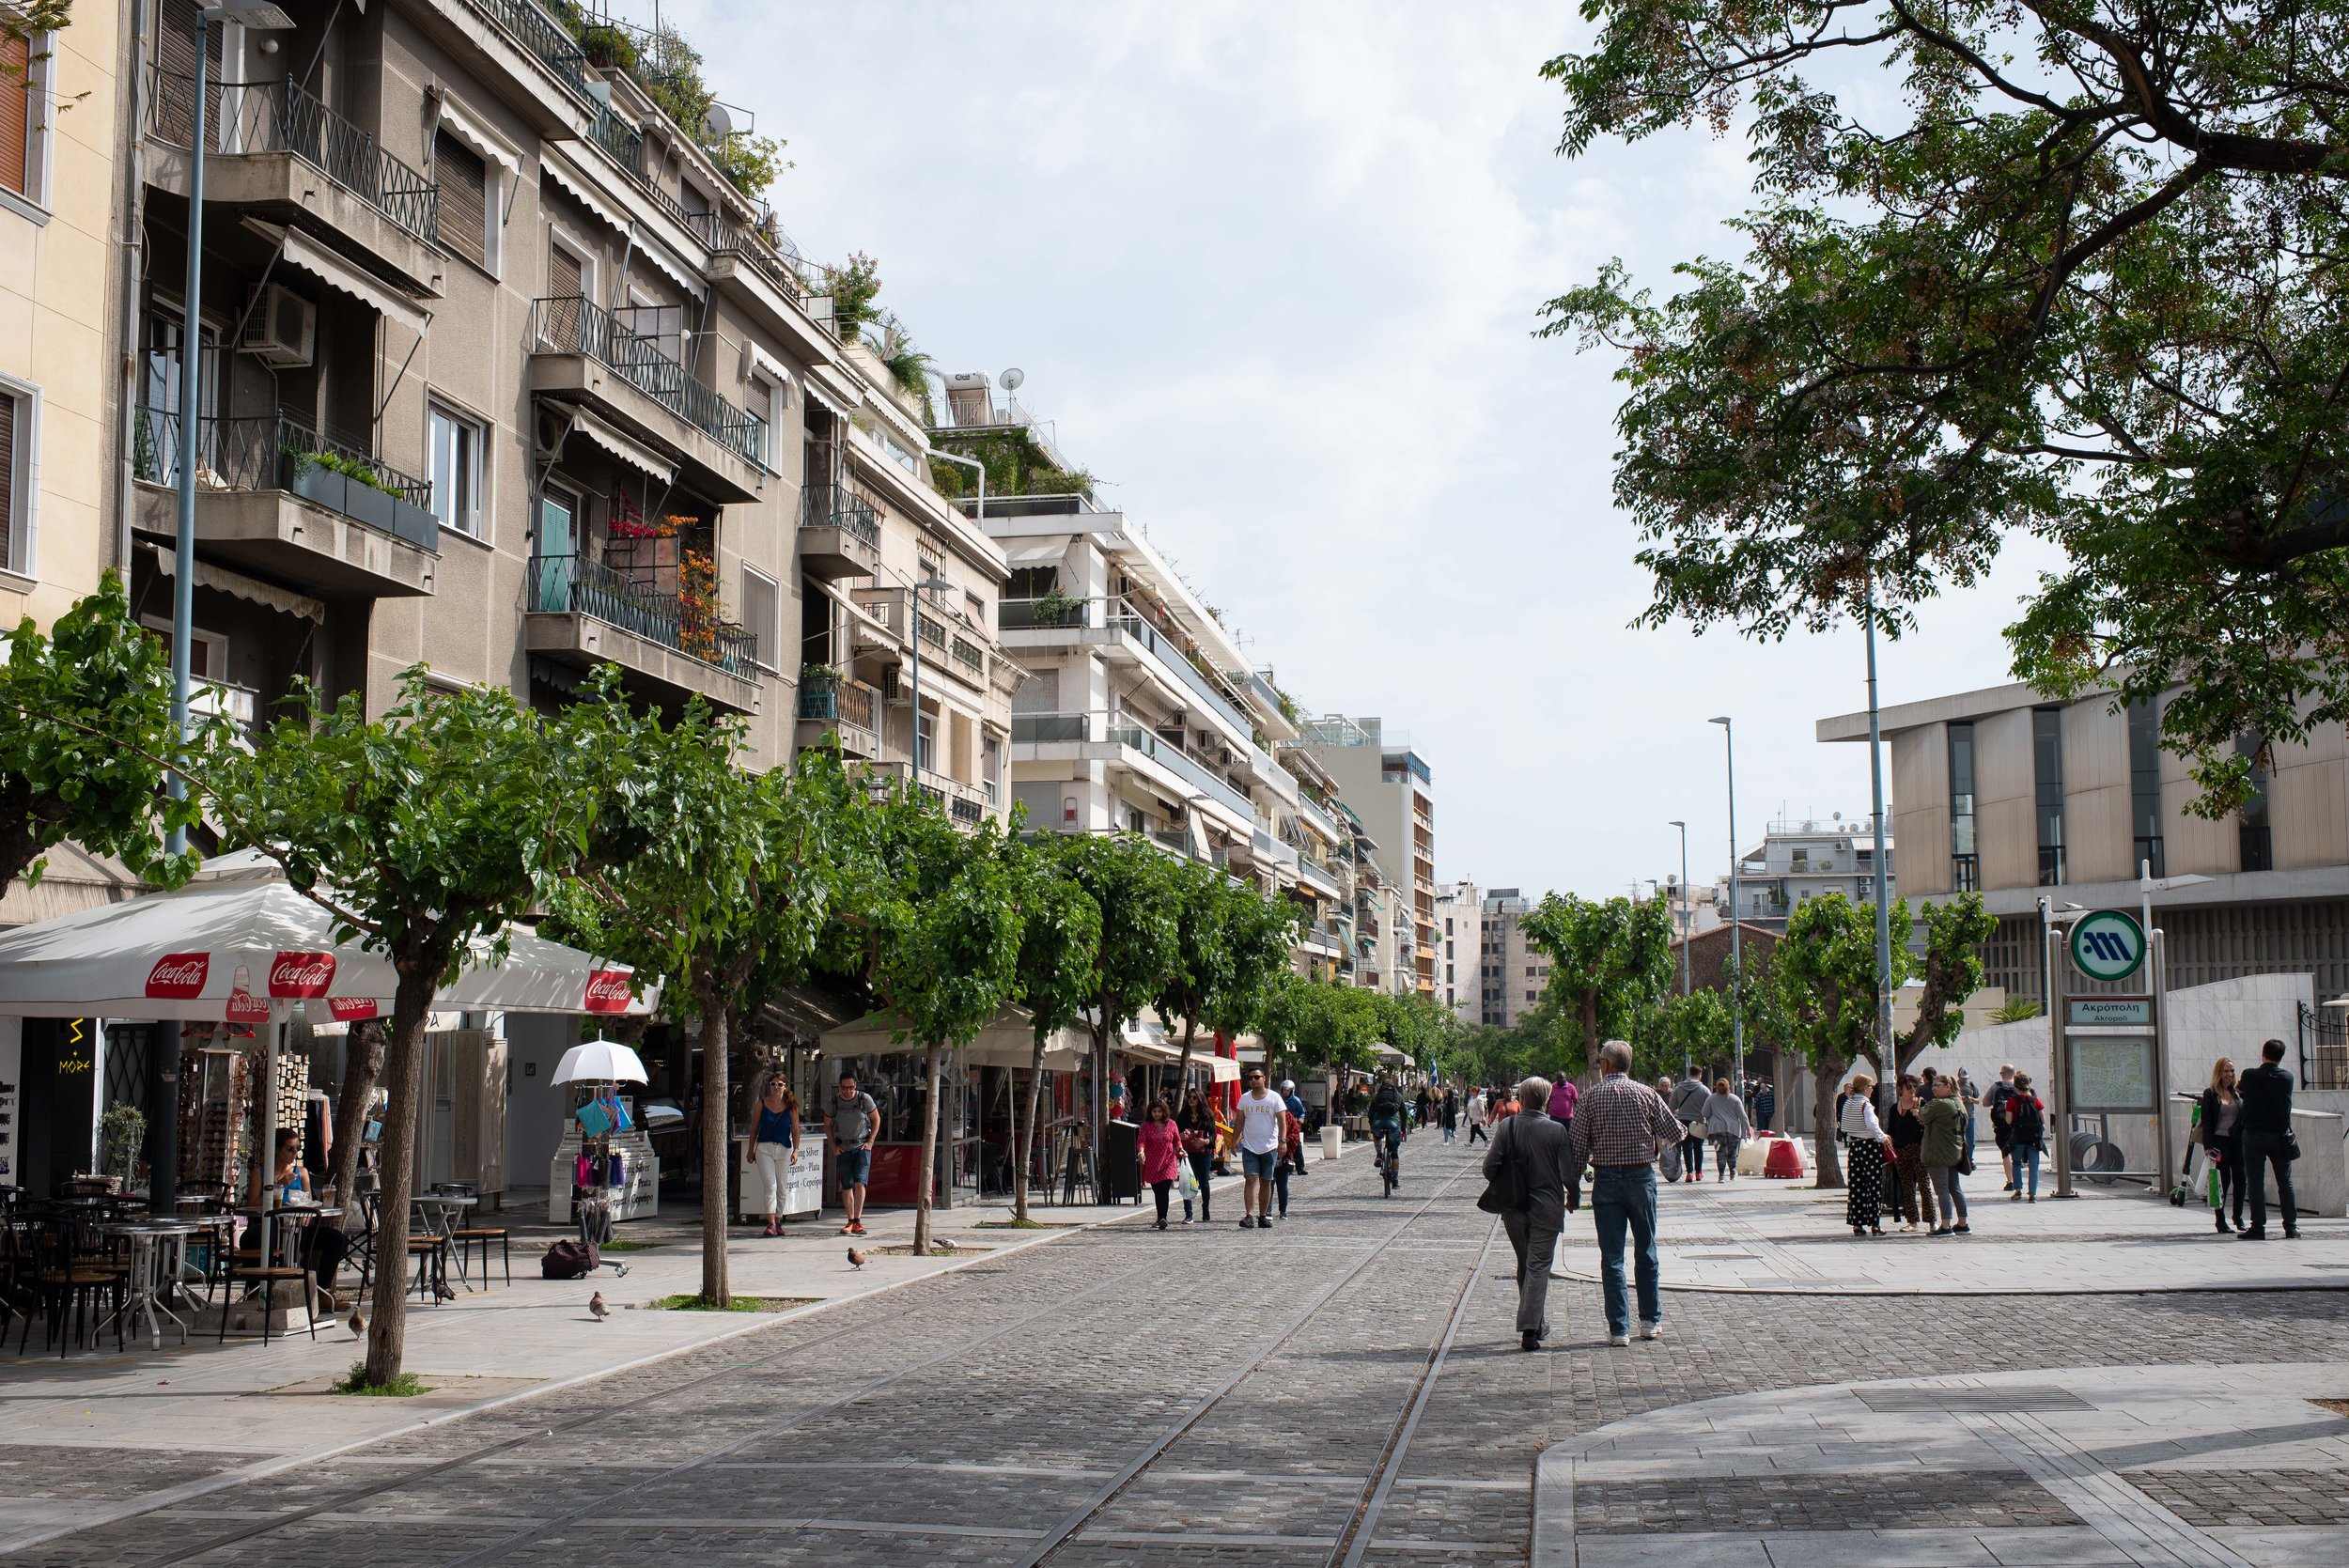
x: 2108, y: 944
x: 180, y: 975
x: 608, y: 992
x: 2110, y: 1012
x: 300, y: 974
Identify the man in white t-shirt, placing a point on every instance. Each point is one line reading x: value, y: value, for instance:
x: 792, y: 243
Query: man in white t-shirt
x: 1260, y: 1113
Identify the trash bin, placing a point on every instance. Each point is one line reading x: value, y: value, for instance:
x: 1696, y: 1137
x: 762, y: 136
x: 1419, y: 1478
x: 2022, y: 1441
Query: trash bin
x: 1121, y: 1163
x: 1331, y: 1138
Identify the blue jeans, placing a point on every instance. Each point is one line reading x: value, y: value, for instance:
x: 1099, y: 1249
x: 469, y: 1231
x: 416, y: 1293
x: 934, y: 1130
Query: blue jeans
x: 1619, y: 1196
x: 2026, y: 1159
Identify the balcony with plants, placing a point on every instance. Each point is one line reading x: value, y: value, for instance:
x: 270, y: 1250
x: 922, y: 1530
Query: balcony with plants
x: 654, y: 582
x: 832, y: 702
x: 381, y: 540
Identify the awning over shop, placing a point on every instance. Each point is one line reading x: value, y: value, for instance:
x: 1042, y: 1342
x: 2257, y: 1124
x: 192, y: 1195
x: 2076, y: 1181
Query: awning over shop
x: 300, y: 251
x: 1006, y: 1040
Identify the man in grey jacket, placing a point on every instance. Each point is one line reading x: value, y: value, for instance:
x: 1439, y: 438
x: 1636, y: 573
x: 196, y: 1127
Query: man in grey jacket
x: 1537, y: 1146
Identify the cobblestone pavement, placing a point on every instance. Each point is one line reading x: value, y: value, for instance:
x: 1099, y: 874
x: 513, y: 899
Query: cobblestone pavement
x: 1123, y: 1396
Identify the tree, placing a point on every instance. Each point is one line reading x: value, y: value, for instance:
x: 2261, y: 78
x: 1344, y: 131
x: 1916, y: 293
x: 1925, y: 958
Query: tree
x: 716, y: 882
x: 1058, y: 973
x: 1951, y: 967
x: 1611, y: 963
x: 1230, y: 944
x: 1822, y: 1002
x: 1129, y: 881
x: 2078, y: 282
x: 942, y: 923
x: 1686, y: 1035
x: 86, y: 737
x: 437, y: 823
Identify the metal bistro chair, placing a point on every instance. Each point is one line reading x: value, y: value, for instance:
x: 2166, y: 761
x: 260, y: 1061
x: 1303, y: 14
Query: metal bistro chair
x: 1077, y: 1175
x: 71, y: 1287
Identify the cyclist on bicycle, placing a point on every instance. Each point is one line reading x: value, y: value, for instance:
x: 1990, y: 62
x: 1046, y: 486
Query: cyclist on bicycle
x: 1386, y: 1124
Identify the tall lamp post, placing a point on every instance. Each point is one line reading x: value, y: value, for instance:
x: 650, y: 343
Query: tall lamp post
x: 1886, y: 1051
x: 164, y: 1189
x: 1684, y: 917
x: 1736, y: 978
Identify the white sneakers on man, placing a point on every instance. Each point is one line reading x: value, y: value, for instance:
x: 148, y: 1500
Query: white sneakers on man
x: 1619, y: 1341
x: 1651, y: 1330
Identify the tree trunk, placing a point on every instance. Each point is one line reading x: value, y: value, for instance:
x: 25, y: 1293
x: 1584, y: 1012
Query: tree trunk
x: 1024, y: 1135
x: 930, y: 1053
x: 717, y: 1145
x: 1590, y: 1042
x: 1823, y: 1084
x: 363, y: 1067
x: 403, y: 1072
x: 1182, y: 1068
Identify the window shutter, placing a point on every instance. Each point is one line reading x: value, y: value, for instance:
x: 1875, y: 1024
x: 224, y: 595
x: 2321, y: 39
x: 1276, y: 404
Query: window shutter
x: 9, y: 520
x: 16, y: 113
x: 563, y: 274
x: 464, y: 181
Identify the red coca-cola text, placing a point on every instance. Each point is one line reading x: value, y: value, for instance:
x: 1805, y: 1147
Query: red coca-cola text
x: 179, y: 975
x: 300, y: 974
x: 608, y: 990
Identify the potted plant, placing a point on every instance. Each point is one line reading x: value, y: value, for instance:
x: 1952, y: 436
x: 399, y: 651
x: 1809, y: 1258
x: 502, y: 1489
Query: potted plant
x: 121, y: 1132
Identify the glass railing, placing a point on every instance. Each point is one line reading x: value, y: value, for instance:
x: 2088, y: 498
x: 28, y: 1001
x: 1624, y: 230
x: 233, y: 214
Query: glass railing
x: 579, y: 585
x: 1029, y: 614
x: 1037, y: 729
x: 572, y: 325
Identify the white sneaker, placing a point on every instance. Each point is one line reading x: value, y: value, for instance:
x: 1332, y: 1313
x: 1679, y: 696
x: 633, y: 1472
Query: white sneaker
x: 1651, y: 1330
x: 1619, y: 1341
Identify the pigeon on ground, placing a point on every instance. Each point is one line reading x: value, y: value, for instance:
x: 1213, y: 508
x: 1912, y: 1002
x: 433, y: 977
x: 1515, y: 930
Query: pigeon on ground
x: 358, y: 1324
x: 856, y: 1258
x: 946, y: 1244
x: 597, y: 1308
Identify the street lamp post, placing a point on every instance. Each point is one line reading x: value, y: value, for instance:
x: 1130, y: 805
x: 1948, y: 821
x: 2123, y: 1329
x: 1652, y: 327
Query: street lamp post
x: 1886, y: 1051
x: 1736, y: 978
x: 1684, y: 917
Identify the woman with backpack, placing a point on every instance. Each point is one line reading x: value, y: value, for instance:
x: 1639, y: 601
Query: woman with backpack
x: 2026, y: 1136
x: 1196, y: 1123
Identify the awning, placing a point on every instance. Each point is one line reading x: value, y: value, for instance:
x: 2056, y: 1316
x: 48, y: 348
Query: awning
x: 633, y: 453
x: 75, y: 880
x: 842, y: 403
x: 1006, y: 1040
x: 1222, y: 1069
x: 644, y: 245
x: 252, y: 591
x: 551, y: 163
x: 333, y: 270
x: 1036, y: 555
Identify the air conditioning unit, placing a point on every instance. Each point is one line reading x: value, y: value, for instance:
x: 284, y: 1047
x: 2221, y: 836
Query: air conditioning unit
x: 280, y: 328
x: 893, y: 690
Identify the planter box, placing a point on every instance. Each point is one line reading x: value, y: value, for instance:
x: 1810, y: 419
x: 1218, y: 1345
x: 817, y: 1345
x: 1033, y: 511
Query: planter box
x: 415, y: 523
x: 363, y: 503
x: 314, y: 483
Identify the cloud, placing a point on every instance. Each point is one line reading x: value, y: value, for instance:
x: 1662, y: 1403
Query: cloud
x: 1273, y: 271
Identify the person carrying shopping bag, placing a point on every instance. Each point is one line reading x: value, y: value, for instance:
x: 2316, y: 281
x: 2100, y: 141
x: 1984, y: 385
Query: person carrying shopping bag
x: 1726, y: 1126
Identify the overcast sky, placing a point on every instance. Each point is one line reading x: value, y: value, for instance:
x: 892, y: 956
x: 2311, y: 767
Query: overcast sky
x: 1272, y: 268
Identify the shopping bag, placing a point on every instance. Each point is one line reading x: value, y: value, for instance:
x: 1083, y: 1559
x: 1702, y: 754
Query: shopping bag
x: 1667, y: 1163
x: 1185, y: 1180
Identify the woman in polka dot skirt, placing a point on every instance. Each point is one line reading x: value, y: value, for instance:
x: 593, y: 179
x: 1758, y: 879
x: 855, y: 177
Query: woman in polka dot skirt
x: 1868, y: 1149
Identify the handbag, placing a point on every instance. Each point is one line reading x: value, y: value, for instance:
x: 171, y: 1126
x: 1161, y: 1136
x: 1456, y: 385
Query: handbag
x: 1504, y: 1191
x: 1667, y: 1163
x: 1194, y: 1141
x: 2292, y: 1146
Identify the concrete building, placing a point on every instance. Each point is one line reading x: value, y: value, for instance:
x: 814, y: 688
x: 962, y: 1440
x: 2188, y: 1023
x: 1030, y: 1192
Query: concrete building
x: 1513, y: 974
x: 2001, y: 793
x: 1391, y: 790
x: 1801, y: 859
x: 1460, y: 917
x: 62, y: 100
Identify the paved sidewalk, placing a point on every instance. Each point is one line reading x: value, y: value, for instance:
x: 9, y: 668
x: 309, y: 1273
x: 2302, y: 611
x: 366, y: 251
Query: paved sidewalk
x: 1789, y: 1237
x: 201, y: 1415
x: 2223, y: 1465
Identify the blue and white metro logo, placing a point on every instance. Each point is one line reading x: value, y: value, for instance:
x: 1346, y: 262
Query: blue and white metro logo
x: 2108, y: 945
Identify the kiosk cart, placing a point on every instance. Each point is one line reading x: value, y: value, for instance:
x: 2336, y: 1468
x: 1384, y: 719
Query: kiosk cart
x: 604, y: 1137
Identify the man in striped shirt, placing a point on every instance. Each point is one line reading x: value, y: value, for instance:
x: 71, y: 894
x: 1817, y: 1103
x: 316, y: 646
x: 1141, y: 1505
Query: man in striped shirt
x: 1619, y: 1127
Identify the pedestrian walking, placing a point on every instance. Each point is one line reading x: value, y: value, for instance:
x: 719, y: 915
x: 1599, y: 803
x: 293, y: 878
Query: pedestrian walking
x: 2026, y: 1136
x: 1687, y: 1101
x: 2267, y: 1141
x: 1619, y: 1127
x: 855, y: 1123
x: 1994, y: 1103
x: 2219, y: 1121
x: 1260, y: 1113
x: 1967, y: 1097
x: 1422, y: 1106
x: 1725, y: 1129
x: 1449, y: 1111
x: 1476, y: 1116
x: 1946, y: 1161
x: 1764, y: 1104
x: 1534, y: 1147
x: 1911, y: 1197
x: 1563, y: 1095
x: 1196, y: 1123
x: 775, y: 1143
x: 1292, y: 1158
x: 1866, y: 1146
x: 1161, y: 1144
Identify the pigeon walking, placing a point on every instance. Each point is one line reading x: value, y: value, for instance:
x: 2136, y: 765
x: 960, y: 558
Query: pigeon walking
x: 358, y: 1324
x: 595, y: 1308
x: 856, y: 1258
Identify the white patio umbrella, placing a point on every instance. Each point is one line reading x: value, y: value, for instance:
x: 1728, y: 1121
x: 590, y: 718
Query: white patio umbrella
x: 600, y: 1062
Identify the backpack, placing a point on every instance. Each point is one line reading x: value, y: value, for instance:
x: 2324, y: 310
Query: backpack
x: 568, y: 1260
x: 2026, y: 1121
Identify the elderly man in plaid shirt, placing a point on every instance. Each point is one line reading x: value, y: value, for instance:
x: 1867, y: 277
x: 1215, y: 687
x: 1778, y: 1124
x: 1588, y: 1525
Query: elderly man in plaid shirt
x: 1619, y: 1127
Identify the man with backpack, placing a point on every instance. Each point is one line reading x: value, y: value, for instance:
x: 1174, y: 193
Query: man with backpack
x: 1996, y: 1102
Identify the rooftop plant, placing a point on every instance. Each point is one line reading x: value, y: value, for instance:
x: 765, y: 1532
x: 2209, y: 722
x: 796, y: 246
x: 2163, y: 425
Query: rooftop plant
x: 668, y: 69
x: 1015, y: 464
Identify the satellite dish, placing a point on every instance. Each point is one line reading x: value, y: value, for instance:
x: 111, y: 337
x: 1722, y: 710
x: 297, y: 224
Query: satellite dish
x: 716, y: 123
x: 1011, y: 378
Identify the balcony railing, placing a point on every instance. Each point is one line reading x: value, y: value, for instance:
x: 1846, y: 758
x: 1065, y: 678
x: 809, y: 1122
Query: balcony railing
x: 1121, y: 729
x: 965, y: 803
x: 543, y: 36
x: 1120, y: 615
x: 278, y: 452
x: 572, y: 325
x: 838, y: 507
x: 848, y: 703
x: 580, y: 586
x: 727, y: 237
x: 278, y: 117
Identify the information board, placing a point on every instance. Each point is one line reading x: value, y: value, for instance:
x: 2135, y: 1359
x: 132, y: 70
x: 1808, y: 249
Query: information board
x: 2110, y: 1074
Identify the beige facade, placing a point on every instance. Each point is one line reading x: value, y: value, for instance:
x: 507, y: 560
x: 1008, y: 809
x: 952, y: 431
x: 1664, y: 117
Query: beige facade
x: 1393, y: 792
x: 1461, y: 929
x: 60, y: 117
x: 607, y: 413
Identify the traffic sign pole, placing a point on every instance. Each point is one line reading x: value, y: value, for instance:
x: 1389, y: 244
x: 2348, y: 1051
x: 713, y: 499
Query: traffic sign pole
x: 2059, y: 1062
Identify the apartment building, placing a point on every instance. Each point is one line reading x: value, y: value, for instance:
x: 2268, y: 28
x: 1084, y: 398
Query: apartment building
x: 1139, y: 712
x: 1999, y: 792
x: 499, y: 373
x: 1513, y: 974
x: 1391, y: 791
x: 1460, y: 918
x: 61, y: 106
x: 1801, y: 859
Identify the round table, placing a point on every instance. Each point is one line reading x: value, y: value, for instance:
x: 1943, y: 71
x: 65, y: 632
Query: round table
x: 151, y: 1241
x: 439, y: 1212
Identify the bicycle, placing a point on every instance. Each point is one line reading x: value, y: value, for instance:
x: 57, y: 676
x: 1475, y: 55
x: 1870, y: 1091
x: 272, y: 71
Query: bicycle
x: 1390, y: 1156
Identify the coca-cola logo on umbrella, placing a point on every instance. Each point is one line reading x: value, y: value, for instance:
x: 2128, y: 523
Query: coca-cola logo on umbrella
x: 353, y: 1009
x: 245, y: 1007
x: 300, y: 974
x: 179, y: 975
x: 607, y: 991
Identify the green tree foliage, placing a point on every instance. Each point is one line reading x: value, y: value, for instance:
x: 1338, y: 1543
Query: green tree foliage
x: 1057, y: 977
x: 1230, y: 944
x: 452, y: 814
x: 1951, y: 968
x: 854, y: 285
x: 2015, y: 1010
x: 1131, y: 883
x: 1692, y: 1033
x: 1821, y: 997
x: 2069, y: 270
x: 84, y: 732
x: 1015, y: 464
x: 1611, y: 964
x: 717, y: 884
